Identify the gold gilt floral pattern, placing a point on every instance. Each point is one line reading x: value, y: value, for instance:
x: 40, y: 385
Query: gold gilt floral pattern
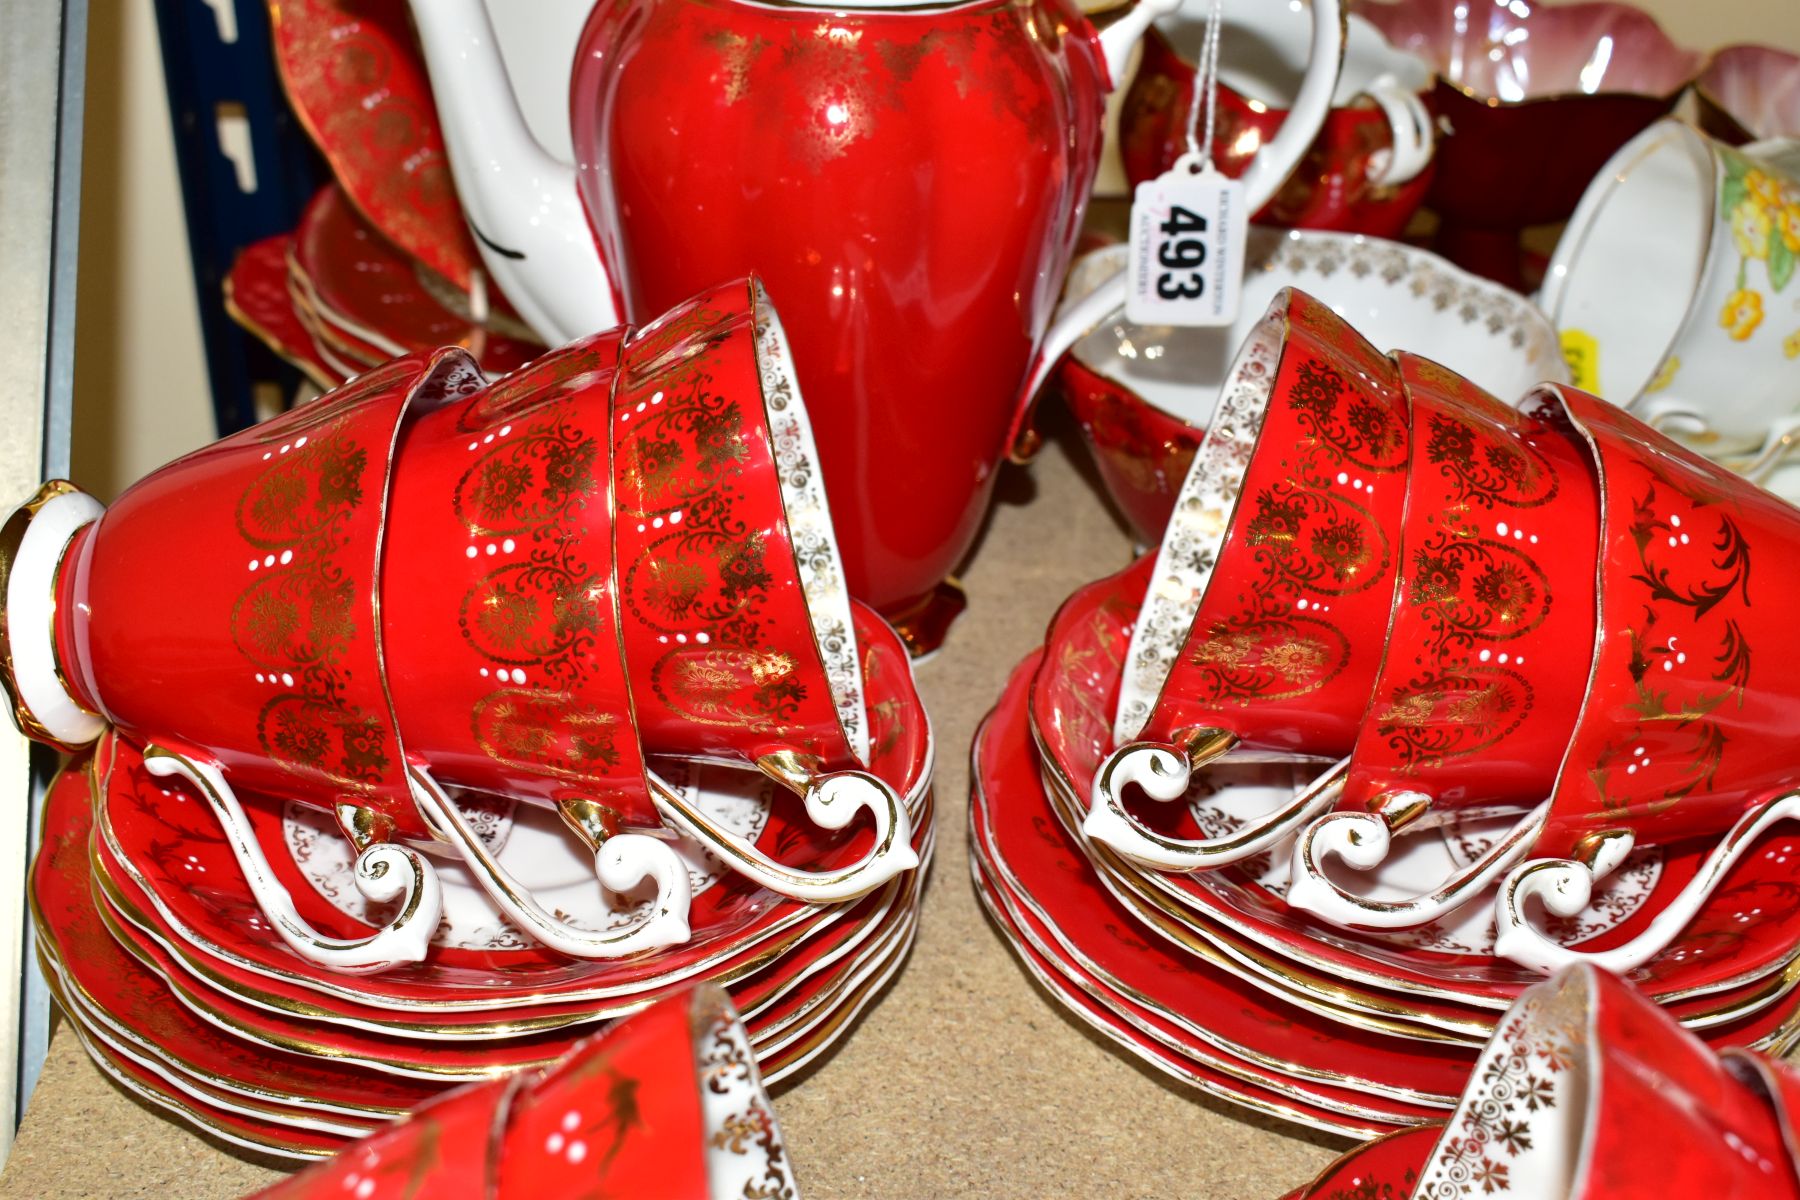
x: 745, y: 1155
x: 304, y: 622
x: 357, y: 83
x: 1522, y: 1080
x: 1500, y: 313
x: 1307, y: 532
x: 538, y: 484
x: 856, y: 71
x: 809, y: 524
x: 1669, y: 734
x: 1308, y: 536
x: 1196, y: 530
x: 710, y: 557
x: 1473, y: 584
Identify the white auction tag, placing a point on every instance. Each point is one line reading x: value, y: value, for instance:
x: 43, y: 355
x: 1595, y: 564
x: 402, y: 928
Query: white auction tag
x: 1187, y: 248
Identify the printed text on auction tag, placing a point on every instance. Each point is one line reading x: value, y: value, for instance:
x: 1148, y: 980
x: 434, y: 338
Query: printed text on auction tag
x: 1187, y: 249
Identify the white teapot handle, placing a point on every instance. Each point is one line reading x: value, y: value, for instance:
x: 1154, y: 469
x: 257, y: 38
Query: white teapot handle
x: 1119, y: 39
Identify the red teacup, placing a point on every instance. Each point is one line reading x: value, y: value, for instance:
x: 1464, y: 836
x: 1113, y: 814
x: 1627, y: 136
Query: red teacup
x: 1487, y: 656
x: 1262, y: 631
x: 736, y: 622
x: 501, y: 640
x: 1141, y: 452
x: 1687, y: 730
x: 1589, y: 1091
x: 267, y: 676
x: 1683, y: 733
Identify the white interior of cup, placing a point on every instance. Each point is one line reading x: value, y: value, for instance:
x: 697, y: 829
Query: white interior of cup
x: 1203, y: 512
x: 1265, y: 48
x: 1398, y: 297
x: 809, y: 523
x: 1630, y: 263
x: 1520, y: 1112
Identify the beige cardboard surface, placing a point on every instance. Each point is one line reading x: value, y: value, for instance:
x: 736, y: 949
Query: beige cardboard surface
x: 964, y: 1080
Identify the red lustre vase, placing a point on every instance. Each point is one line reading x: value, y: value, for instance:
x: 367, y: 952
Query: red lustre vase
x: 909, y: 183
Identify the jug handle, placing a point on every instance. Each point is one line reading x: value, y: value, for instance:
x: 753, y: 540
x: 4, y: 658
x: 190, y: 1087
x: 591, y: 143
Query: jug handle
x: 1073, y: 323
x: 1267, y: 171
x: 1409, y: 121
x: 384, y: 872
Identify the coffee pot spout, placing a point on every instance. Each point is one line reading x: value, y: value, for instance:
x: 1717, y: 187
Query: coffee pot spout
x: 520, y: 201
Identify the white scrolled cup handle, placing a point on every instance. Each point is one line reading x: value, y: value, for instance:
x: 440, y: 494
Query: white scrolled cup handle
x: 832, y: 800
x: 621, y: 862
x: 1410, y: 123
x: 1682, y: 420
x: 1363, y: 841
x: 1268, y: 170
x: 1670, y: 414
x: 1565, y: 885
x: 1164, y: 773
x: 384, y: 872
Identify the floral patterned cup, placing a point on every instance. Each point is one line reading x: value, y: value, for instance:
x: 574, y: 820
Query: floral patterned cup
x: 1673, y: 289
x: 500, y: 635
x: 1369, y: 167
x: 1262, y: 630
x: 1590, y: 1091
x: 667, y: 1102
x: 1143, y: 394
x: 1685, y: 728
x: 735, y: 620
x: 267, y: 676
x: 1488, y: 652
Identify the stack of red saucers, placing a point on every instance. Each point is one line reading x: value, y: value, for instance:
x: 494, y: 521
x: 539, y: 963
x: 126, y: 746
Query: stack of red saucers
x: 382, y: 262
x: 1423, y: 696
x: 425, y: 727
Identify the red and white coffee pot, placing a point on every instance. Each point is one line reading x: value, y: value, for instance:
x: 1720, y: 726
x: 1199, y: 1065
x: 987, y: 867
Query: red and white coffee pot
x: 908, y: 178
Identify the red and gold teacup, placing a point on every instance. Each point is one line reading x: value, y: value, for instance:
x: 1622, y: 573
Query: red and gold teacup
x: 736, y: 623
x: 1487, y: 655
x: 1589, y: 1091
x: 1684, y: 731
x: 1687, y: 727
x: 267, y: 676
x: 1262, y: 630
x: 501, y: 635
